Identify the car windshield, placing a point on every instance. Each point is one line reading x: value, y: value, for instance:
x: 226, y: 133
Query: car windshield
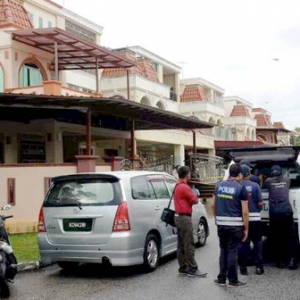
x: 84, y: 192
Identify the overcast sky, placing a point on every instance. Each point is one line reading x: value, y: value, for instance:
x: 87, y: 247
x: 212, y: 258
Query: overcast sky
x: 228, y: 42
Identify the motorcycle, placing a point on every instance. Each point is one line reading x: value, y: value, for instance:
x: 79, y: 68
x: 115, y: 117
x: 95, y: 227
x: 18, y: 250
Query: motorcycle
x: 8, y: 261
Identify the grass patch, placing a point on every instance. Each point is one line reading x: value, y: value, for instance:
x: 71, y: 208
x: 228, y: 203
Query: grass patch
x: 25, y: 247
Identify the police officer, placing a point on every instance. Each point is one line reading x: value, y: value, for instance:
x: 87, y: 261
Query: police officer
x: 253, y: 178
x: 230, y: 207
x: 281, y: 218
x: 255, y: 231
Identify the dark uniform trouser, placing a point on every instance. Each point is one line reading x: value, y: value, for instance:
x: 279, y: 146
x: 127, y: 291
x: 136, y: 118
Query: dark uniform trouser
x: 282, y: 236
x: 230, y: 240
x: 254, y: 236
x: 185, y: 246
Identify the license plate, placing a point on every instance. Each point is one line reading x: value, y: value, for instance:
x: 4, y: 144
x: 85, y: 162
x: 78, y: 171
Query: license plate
x: 82, y: 225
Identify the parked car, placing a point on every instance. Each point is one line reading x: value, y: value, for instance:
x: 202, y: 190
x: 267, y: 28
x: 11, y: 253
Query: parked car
x: 111, y: 218
x: 261, y: 160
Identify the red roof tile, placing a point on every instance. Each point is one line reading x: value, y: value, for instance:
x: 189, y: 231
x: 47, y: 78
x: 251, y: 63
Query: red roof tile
x: 240, y: 111
x: 258, y: 109
x: 236, y: 144
x: 143, y: 68
x: 13, y: 13
x: 263, y: 120
x: 193, y: 93
x: 278, y: 125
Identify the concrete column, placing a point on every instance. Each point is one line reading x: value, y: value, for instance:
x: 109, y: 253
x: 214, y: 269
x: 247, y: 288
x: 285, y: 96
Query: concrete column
x: 11, y: 149
x: 212, y: 95
x: 177, y: 86
x: 179, y: 155
x: 212, y: 151
x: 160, y: 73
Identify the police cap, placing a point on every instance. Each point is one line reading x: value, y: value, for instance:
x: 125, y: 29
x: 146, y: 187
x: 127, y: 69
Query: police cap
x: 245, y: 170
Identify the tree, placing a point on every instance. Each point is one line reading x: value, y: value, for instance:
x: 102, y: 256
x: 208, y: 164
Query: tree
x: 295, y: 137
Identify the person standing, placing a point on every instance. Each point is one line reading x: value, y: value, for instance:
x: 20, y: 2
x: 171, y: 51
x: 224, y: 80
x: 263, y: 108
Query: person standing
x: 253, y: 178
x: 175, y: 171
x: 281, y: 219
x: 184, y: 199
x: 230, y: 208
x: 255, y: 230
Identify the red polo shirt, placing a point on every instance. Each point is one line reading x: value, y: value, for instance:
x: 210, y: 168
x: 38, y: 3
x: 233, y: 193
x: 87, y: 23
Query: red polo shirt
x: 184, y: 198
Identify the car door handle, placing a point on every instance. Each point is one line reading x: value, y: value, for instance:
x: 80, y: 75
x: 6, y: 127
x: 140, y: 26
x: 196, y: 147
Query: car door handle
x: 157, y: 208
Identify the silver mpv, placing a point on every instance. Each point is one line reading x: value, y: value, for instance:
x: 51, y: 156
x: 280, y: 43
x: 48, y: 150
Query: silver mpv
x: 112, y: 218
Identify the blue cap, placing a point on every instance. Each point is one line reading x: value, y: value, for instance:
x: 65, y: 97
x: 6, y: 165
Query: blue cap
x: 245, y: 170
x: 276, y: 171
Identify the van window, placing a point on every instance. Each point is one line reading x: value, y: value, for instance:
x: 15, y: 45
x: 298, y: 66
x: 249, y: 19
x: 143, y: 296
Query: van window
x: 85, y: 192
x: 159, y: 187
x: 140, y: 188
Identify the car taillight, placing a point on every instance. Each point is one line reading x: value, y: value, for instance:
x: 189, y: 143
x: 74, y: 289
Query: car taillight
x: 121, y: 222
x: 41, y: 225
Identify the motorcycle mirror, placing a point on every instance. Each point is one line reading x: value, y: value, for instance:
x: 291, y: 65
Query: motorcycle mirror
x: 6, y: 207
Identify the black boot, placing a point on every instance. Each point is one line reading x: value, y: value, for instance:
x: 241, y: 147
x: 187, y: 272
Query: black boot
x: 4, y: 289
x: 294, y: 264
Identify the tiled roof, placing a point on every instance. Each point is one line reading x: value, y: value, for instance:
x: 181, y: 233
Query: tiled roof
x: 236, y: 144
x: 122, y: 71
x: 240, y: 111
x: 143, y: 68
x: 263, y: 120
x: 193, y: 93
x: 258, y: 109
x: 13, y: 13
x: 278, y: 125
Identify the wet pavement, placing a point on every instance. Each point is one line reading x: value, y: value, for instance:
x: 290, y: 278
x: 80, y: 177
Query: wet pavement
x: 132, y: 284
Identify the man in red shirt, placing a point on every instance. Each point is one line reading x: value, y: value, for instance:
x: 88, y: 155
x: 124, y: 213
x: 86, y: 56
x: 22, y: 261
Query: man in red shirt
x: 184, y: 199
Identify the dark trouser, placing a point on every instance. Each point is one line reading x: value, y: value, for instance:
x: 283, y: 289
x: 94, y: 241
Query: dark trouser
x: 185, y: 246
x: 254, y: 236
x: 282, y: 237
x: 230, y: 240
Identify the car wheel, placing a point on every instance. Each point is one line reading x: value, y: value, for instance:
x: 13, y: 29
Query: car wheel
x: 201, y: 233
x: 151, y: 253
x: 68, y: 266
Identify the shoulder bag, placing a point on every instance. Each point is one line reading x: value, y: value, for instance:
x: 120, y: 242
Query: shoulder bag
x: 168, y: 214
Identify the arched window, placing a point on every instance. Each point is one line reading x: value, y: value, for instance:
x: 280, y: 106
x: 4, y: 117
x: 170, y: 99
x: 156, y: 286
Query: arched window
x: 30, y: 75
x: 1, y: 80
x: 145, y: 100
x: 160, y: 105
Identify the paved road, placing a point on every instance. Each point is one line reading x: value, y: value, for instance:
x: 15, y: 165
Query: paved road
x: 164, y: 283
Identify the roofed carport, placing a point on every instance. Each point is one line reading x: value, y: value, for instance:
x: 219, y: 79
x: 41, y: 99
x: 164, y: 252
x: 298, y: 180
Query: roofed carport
x: 114, y: 113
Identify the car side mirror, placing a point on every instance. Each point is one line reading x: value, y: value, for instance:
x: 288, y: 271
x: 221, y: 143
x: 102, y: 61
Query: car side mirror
x: 6, y: 207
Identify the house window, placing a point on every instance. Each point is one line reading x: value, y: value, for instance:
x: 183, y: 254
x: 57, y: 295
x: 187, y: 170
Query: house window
x: 30, y: 75
x: 1, y: 80
x: 11, y: 191
x: 49, y: 24
x: 40, y: 22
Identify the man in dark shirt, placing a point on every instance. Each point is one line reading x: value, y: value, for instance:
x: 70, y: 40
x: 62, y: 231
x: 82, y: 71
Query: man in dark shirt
x: 253, y: 178
x: 230, y: 208
x: 184, y: 199
x: 281, y: 218
x: 255, y: 231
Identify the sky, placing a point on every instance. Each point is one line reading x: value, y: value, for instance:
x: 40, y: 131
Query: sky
x: 231, y: 43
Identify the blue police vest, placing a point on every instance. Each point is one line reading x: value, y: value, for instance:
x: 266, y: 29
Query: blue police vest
x: 254, y: 196
x: 228, y: 203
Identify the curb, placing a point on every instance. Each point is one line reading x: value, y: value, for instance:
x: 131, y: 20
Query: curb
x: 29, y: 266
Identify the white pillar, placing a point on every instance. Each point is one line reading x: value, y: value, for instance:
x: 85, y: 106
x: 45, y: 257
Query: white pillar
x: 179, y: 155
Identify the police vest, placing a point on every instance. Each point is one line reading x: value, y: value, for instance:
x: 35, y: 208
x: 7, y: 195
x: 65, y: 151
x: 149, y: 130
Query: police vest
x: 254, y: 196
x: 228, y: 203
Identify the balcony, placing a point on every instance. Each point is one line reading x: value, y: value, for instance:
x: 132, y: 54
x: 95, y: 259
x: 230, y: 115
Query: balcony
x: 242, y: 120
x: 137, y: 82
x: 51, y: 88
x: 202, y: 107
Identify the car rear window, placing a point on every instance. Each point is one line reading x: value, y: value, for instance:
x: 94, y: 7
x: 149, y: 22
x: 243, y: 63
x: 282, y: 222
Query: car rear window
x: 84, y: 192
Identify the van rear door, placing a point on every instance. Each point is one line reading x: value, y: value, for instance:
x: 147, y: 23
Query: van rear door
x: 81, y: 208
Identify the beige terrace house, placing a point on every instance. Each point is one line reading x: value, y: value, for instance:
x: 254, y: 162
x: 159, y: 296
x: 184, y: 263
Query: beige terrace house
x: 53, y: 116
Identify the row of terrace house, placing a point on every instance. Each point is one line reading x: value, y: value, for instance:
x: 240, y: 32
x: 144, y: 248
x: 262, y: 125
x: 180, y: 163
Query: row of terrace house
x: 70, y: 105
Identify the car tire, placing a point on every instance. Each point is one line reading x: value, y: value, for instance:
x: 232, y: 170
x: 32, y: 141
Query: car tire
x: 151, y: 253
x: 68, y: 266
x: 201, y: 233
